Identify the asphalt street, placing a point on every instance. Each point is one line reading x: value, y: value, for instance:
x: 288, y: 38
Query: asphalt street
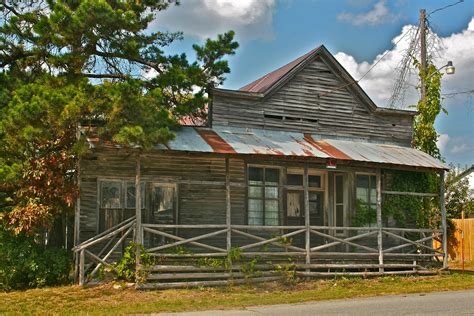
x: 439, y: 303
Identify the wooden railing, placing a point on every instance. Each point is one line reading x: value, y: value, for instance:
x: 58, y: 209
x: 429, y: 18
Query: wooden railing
x: 266, y: 241
x: 253, y: 238
x: 104, y: 248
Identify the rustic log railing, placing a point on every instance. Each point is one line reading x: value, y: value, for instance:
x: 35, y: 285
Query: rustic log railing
x: 349, y: 242
x: 352, y: 237
x: 100, y: 255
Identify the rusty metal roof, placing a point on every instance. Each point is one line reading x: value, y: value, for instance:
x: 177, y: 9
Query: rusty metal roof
x: 236, y: 140
x: 264, y: 83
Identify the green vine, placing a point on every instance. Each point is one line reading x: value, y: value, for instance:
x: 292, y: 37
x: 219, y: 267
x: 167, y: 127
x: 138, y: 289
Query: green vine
x: 125, y: 268
x: 422, y: 212
x: 425, y: 135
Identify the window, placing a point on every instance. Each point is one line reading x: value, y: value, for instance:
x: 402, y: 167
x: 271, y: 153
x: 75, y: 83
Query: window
x: 366, y: 204
x: 130, y: 196
x: 110, y: 194
x: 263, y: 196
x: 117, y: 202
x: 295, y: 196
x: 339, y: 201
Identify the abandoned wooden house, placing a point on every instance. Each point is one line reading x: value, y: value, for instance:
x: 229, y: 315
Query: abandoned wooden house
x: 294, y: 167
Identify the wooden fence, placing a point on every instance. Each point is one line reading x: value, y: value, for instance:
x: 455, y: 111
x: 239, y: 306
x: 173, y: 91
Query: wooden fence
x: 455, y: 244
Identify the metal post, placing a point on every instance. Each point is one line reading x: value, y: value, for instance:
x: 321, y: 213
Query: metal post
x: 379, y: 219
x: 228, y: 206
x: 443, y: 220
x: 462, y: 240
x: 306, y: 215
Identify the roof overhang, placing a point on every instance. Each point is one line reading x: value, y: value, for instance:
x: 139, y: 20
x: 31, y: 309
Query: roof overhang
x: 227, y: 140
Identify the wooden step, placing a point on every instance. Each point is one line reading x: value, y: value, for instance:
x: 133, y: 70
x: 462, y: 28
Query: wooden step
x: 211, y: 275
x: 177, y: 285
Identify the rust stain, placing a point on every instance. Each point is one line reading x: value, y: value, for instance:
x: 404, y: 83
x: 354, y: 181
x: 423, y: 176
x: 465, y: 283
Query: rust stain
x: 326, y: 148
x: 306, y: 148
x: 216, y: 142
x: 308, y: 152
x: 276, y: 152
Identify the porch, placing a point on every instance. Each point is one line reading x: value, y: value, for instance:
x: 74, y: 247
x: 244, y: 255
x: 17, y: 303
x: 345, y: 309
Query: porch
x: 314, y: 235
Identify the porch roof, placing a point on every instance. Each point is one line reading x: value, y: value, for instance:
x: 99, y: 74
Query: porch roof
x: 235, y: 140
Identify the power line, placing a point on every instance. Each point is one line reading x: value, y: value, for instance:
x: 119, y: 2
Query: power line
x: 457, y: 93
x: 372, y: 67
x: 385, y: 54
x: 445, y: 7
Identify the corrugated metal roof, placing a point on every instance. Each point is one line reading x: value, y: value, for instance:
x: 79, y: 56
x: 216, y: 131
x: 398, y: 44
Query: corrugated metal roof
x: 234, y: 140
x: 264, y: 83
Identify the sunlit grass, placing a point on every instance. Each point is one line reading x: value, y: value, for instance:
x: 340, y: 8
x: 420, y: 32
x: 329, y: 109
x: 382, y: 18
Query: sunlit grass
x: 107, y: 300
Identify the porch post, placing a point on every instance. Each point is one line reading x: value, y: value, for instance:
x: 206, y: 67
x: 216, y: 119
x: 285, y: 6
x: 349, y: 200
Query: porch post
x: 138, y: 200
x: 77, y: 218
x: 306, y: 215
x: 379, y: 219
x: 138, y: 215
x: 443, y: 220
x: 228, y: 206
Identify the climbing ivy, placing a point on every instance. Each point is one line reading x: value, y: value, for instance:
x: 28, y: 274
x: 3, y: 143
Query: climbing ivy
x: 406, y: 210
x: 425, y: 135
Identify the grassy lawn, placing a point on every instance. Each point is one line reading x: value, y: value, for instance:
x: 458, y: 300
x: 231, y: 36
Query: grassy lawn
x: 107, y: 300
x: 468, y: 265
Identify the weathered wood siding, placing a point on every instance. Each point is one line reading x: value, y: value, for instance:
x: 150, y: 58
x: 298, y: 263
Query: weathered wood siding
x: 297, y: 107
x: 200, y: 189
x: 198, y: 202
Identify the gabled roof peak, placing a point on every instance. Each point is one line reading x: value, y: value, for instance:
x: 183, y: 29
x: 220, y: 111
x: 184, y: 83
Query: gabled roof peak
x: 264, y: 83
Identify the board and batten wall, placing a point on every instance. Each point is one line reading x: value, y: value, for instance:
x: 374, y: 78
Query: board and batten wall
x: 297, y: 107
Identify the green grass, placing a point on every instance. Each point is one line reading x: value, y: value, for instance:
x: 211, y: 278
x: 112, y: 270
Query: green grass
x: 107, y: 300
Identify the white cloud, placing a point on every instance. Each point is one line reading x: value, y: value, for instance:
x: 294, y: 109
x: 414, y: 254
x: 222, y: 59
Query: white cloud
x: 459, y: 149
x: 250, y: 19
x: 379, y: 14
x: 379, y: 82
x: 442, y: 142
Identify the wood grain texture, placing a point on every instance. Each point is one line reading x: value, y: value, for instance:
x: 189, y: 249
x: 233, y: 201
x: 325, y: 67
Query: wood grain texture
x: 297, y: 106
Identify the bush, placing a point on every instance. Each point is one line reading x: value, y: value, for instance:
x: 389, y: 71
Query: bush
x: 25, y: 264
x: 125, y: 268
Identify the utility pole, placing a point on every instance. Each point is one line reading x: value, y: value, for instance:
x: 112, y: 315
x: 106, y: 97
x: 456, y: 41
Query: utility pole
x: 423, y: 54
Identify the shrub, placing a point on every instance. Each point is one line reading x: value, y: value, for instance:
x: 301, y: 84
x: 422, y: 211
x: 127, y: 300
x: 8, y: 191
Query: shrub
x: 125, y: 268
x: 25, y: 264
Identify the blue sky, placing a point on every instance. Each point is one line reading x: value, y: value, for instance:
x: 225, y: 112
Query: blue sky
x: 272, y: 33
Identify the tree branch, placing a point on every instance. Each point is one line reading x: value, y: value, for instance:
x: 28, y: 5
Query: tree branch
x: 105, y: 76
x: 130, y: 58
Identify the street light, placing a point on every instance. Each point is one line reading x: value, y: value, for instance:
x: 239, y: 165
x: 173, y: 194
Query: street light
x: 450, y: 69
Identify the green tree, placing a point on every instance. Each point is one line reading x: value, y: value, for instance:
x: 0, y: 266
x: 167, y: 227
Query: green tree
x: 459, y: 196
x: 71, y: 65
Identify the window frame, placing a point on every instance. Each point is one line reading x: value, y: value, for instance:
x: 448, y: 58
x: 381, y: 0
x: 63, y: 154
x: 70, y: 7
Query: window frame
x: 369, y: 175
x: 264, y: 198
x: 300, y: 189
x: 123, y: 196
x: 174, y: 186
x: 343, y: 204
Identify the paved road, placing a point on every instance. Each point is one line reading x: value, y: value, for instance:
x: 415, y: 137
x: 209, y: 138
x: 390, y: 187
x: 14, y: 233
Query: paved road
x: 440, y: 303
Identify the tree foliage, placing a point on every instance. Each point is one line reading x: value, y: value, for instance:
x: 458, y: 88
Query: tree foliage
x: 425, y: 135
x: 459, y: 196
x: 67, y: 66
